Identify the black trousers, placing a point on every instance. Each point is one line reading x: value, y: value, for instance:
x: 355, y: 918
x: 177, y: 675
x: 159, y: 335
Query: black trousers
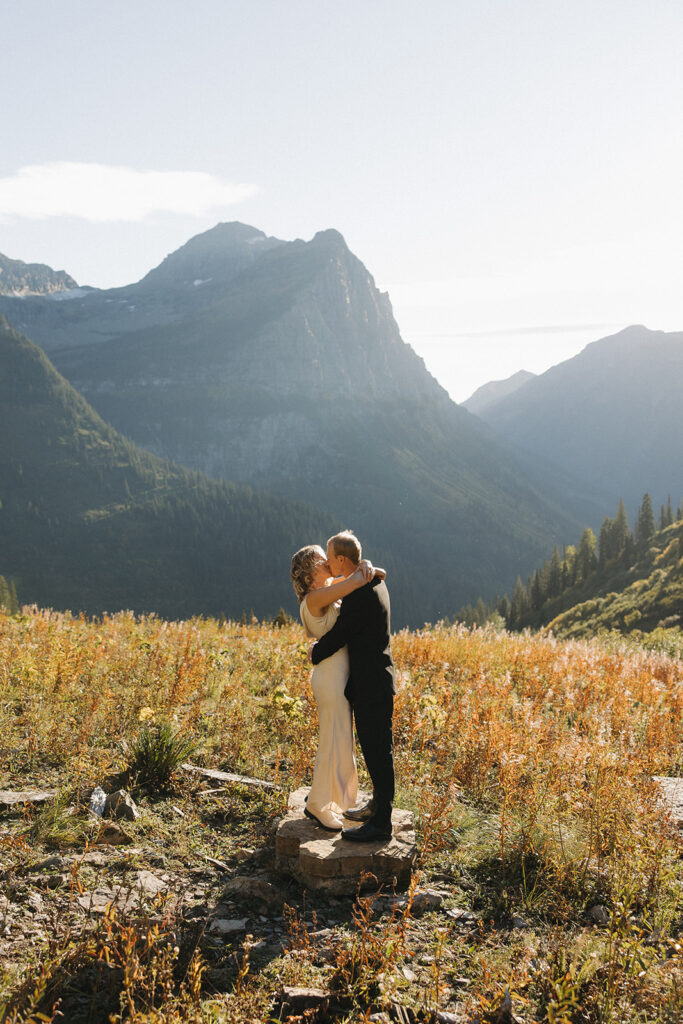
x: 373, y: 728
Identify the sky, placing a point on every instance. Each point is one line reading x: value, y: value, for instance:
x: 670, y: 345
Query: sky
x: 509, y: 171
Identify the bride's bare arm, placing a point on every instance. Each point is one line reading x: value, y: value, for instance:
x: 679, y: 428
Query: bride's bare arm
x: 320, y: 599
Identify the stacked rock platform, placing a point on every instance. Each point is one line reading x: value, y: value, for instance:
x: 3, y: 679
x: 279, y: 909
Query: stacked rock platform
x: 324, y: 861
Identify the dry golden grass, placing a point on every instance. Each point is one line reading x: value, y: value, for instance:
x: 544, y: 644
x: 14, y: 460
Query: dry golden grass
x: 528, y: 761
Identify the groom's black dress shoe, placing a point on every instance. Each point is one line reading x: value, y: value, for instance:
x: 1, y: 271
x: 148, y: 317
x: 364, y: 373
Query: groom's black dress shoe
x: 362, y: 813
x: 367, y: 833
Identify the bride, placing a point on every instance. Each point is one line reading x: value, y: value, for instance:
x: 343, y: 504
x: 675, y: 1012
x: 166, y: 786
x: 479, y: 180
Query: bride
x: 335, y: 781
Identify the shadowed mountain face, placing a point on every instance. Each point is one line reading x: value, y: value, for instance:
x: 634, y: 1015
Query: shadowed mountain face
x: 279, y: 364
x: 90, y: 522
x: 612, y: 417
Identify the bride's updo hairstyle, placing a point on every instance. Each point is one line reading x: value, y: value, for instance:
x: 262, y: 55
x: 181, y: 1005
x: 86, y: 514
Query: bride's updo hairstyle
x: 303, y: 569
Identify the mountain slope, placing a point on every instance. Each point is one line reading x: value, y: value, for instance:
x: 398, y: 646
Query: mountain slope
x: 612, y: 416
x: 647, y: 594
x: 288, y: 371
x: 490, y: 394
x: 90, y: 522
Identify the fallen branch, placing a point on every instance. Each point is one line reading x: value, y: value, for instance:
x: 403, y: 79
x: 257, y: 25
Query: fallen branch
x: 213, y: 773
x: 217, y: 863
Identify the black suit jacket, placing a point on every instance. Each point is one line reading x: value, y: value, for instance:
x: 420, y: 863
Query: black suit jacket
x: 364, y: 625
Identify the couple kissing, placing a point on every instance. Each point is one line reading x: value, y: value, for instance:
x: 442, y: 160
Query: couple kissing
x: 344, y: 606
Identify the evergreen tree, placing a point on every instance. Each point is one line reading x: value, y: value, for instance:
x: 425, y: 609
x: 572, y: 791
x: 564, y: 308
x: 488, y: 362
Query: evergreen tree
x: 569, y: 567
x: 645, y: 523
x: 503, y: 608
x: 481, y: 613
x: 666, y: 515
x: 519, y: 605
x: 586, y: 558
x: 606, y: 542
x: 554, y: 587
x: 620, y: 531
x: 669, y: 512
x: 537, y: 595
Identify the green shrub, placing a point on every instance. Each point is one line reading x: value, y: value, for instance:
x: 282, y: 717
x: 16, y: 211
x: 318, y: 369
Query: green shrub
x: 156, y: 753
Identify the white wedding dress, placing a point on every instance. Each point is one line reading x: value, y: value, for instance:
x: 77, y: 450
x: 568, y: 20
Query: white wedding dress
x: 335, y: 779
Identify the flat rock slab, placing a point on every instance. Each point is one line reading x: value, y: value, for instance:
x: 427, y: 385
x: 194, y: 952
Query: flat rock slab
x: 8, y: 798
x: 99, y: 900
x: 149, y: 883
x: 324, y: 861
x: 671, y: 789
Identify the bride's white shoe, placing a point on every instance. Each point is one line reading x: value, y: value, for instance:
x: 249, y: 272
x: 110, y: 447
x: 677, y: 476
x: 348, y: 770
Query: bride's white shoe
x: 326, y: 818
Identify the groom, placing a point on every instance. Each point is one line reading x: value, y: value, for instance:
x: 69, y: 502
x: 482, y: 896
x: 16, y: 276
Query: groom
x: 363, y: 625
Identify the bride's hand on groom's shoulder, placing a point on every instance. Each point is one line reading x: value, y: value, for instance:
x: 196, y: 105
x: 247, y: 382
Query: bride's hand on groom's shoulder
x: 369, y: 571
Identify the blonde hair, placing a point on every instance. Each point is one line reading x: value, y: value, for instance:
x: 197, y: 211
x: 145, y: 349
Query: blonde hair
x: 347, y: 544
x: 303, y: 568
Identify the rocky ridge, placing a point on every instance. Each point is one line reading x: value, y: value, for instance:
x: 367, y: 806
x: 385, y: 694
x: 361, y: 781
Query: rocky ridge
x: 19, y: 279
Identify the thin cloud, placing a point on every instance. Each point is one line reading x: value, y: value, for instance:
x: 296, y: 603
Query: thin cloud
x: 101, y: 193
x: 505, y: 331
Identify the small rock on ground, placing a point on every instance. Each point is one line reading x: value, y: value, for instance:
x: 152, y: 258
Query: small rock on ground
x: 297, y: 1000
x: 599, y: 914
x: 249, y: 887
x: 121, y: 805
x: 228, y: 926
x: 149, y: 883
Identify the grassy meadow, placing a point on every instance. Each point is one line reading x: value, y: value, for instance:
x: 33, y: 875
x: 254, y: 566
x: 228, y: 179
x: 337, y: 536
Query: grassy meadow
x: 528, y: 762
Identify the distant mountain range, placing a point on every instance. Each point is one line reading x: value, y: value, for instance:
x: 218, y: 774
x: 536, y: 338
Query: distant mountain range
x: 90, y: 522
x: 611, y: 416
x: 280, y: 365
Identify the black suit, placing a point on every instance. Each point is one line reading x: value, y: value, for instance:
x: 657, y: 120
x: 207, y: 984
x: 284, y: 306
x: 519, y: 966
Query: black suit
x: 364, y: 626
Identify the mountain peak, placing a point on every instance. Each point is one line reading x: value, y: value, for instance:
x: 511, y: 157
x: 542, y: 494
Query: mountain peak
x: 214, y: 255
x: 19, y: 279
x: 330, y: 236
